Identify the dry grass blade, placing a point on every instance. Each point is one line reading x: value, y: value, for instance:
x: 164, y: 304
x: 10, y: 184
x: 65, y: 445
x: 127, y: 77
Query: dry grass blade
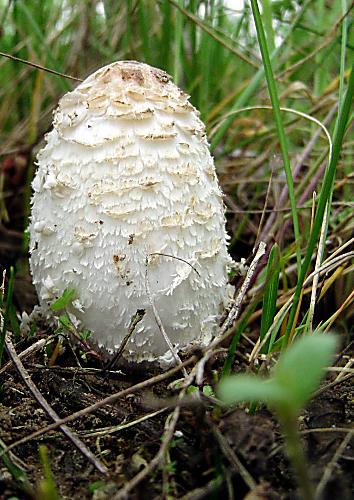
x: 117, y: 428
x: 212, y: 51
x: 225, y: 330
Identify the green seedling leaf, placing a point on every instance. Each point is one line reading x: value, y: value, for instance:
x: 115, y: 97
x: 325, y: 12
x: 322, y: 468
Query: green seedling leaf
x: 15, y: 471
x: 191, y: 389
x: 65, y: 300
x: 237, y: 388
x: 85, y: 334
x: 301, y: 367
x: 64, y: 320
x: 97, y: 485
x: 208, y: 390
x: 296, y: 376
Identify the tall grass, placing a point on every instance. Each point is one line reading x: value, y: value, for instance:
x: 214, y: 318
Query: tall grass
x: 295, y: 55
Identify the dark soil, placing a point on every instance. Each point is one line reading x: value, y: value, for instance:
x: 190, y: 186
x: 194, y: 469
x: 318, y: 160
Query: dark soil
x: 197, y: 465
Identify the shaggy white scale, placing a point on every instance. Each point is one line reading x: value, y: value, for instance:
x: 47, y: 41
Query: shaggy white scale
x: 126, y: 173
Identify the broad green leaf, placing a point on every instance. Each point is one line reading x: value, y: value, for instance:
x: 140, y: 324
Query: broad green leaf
x: 63, y: 301
x: 237, y: 388
x: 301, y: 367
x: 296, y: 376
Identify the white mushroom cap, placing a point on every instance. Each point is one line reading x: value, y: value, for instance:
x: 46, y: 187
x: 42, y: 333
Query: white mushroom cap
x: 126, y: 173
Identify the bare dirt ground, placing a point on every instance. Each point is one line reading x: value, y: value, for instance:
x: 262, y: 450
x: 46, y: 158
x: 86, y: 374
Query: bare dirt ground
x: 214, y: 453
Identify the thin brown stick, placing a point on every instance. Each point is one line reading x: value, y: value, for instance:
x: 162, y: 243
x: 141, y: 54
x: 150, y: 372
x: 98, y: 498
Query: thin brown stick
x: 170, y: 426
x: 201, y: 493
x: 225, y: 330
x: 117, y: 428
x: 332, y: 384
x: 233, y: 459
x: 48, y: 409
x: 212, y: 33
x: 235, y: 310
x: 108, y: 400
x: 136, y: 318
x: 331, y: 465
x: 27, y: 352
x: 38, y: 66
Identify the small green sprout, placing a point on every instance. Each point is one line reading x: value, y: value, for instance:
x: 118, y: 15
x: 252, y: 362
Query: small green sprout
x: 64, y: 300
x: 66, y: 323
x: 85, y: 334
x: 47, y: 489
x: 295, y: 377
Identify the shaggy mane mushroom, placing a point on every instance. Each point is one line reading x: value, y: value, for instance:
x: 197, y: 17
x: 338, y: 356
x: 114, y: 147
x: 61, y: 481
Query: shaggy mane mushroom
x: 126, y: 192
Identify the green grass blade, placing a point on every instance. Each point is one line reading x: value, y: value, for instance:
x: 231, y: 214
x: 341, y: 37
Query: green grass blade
x: 273, y: 93
x: 270, y: 295
x: 268, y: 24
x: 344, y: 39
x: 7, y: 313
x: 251, y: 89
x: 47, y: 489
x: 236, y: 339
x: 325, y: 195
x: 178, y: 40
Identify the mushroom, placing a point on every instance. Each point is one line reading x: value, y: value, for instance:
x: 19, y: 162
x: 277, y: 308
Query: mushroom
x: 128, y: 212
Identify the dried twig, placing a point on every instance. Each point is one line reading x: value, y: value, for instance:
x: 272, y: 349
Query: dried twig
x: 137, y: 317
x: 39, y: 66
x: 27, y: 352
x: 225, y: 329
x: 205, y: 492
x: 331, y: 465
x: 170, y: 426
x: 235, y: 310
x: 345, y: 369
x: 332, y: 384
x: 116, y: 428
x: 233, y: 459
x: 48, y: 409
